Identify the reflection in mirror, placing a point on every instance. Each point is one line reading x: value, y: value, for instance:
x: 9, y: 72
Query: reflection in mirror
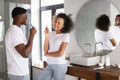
x: 104, y: 40
x: 115, y: 29
x: 85, y: 23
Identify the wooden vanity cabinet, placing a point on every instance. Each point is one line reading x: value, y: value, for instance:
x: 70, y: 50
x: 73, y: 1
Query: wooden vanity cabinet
x: 88, y: 73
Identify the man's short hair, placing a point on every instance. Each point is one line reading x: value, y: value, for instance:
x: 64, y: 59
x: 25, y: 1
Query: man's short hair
x: 118, y: 15
x: 18, y: 11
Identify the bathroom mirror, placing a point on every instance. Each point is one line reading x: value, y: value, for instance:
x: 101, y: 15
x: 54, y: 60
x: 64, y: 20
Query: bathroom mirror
x: 85, y: 23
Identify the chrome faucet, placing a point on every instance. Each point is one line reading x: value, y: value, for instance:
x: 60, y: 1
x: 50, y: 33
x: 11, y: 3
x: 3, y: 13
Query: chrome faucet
x: 89, y: 44
x: 96, y: 46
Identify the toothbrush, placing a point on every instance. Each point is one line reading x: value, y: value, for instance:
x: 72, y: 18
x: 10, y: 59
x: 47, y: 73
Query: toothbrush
x: 30, y: 25
x: 98, y: 68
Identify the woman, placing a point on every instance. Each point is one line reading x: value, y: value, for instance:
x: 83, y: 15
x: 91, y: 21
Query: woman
x: 55, y: 46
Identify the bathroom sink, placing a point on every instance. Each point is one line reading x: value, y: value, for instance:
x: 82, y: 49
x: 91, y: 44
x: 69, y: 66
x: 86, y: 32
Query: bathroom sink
x: 84, y: 59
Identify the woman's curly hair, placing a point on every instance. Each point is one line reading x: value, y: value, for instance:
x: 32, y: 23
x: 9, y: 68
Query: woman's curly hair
x: 103, y: 22
x: 68, y: 23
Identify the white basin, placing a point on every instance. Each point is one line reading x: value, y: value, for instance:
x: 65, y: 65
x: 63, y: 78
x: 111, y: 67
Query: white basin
x: 84, y: 59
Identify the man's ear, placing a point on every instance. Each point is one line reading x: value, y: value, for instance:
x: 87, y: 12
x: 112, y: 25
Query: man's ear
x: 19, y: 17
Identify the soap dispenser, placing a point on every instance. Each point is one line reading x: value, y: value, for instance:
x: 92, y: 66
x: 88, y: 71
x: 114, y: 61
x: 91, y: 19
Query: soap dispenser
x: 107, y: 61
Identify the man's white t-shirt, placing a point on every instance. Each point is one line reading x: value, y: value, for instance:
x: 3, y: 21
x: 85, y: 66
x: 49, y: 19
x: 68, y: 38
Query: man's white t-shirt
x: 16, y: 64
x: 104, y: 37
x: 55, y: 41
x: 115, y: 30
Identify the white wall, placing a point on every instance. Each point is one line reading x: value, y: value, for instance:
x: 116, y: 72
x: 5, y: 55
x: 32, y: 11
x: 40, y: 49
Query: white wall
x: 72, y: 7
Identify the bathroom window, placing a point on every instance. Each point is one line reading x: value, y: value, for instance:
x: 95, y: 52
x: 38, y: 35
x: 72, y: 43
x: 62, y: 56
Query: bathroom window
x: 2, y: 31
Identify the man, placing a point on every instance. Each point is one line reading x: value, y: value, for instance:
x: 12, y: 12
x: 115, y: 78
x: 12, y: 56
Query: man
x: 115, y: 30
x: 17, y: 47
